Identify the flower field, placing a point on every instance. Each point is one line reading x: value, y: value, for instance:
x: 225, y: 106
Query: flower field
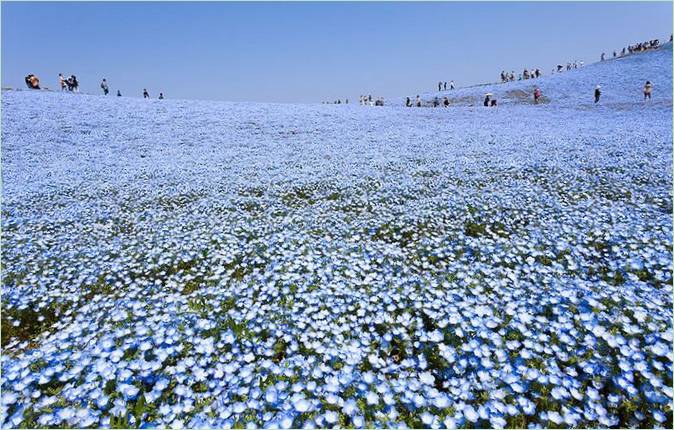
x: 202, y: 264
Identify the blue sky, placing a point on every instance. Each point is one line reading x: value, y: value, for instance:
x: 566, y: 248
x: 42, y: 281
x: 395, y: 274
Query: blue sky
x: 308, y: 52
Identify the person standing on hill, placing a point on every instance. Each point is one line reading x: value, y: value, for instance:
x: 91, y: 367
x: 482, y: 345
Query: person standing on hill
x: 603, y: 56
x: 439, y: 86
x: 73, y: 85
x: 597, y: 93
x: 445, y: 102
x: 648, y: 89
x: 104, y: 87
x: 119, y: 93
x: 418, y: 103
x: 408, y: 102
x: 146, y: 95
x: 161, y: 96
x: 451, y: 85
x: 62, y: 82
x: 537, y: 95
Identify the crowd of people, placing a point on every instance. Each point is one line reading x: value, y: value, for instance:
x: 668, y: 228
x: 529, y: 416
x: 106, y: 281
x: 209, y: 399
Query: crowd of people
x: 569, y: 66
x: 71, y: 84
x: 526, y: 74
x: 337, y: 102
x: 368, y: 101
x: 433, y: 103
x: 442, y: 86
x: 637, y: 47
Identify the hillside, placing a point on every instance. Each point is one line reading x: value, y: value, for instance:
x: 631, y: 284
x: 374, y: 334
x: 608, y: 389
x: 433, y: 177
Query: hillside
x: 207, y: 264
x: 621, y: 80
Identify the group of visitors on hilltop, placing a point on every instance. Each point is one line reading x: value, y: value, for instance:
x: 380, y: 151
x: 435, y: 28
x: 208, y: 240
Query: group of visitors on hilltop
x: 442, y: 86
x: 637, y: 47
x: 367, y: 101
x: 337, y: 102
x: 569, y: 66
x: 71, y: 83
x: 526, y: 74
x: 433, y: 103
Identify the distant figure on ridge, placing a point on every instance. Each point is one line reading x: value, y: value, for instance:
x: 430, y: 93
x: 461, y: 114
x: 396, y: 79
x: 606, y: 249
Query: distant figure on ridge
x: 418, y: 103
x: 408, y: 102
x: 62, y: 82
x: 648, y: 89
x: 445, y: 102
x: 146, y: 95
x: 34, y: 82
x: 119, y: 94
x: 451, y: 85
x: 72, y: 83
x: 597, y: 93
x: 439, y: 86
x: 444, y: 86
x: 161, y: 96
x: 104, y: 87
x: 603, y: 56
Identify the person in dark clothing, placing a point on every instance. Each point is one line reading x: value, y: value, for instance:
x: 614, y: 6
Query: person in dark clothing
x: 648, y: 89
x: 146, y: 95
x: 75, y: 84
x: 537, y: 95
x: 487, y: 98
x: 104, y: 86
x: 408, y: 102
x: 445, y: 86
x: 418, y: 103
x: 603, y: 56
x: 445, y: 102
x: 439, y: 86
x: 597, y: 93
x: 493, y: 103
x: 27, y: 79
x: 119, y: 94
x: 161, y: 96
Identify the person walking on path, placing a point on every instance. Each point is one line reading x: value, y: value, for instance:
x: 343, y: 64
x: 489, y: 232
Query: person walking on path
x: 648, y: 89
x: 597, y: 93
x: 146, y: 95
x: 104, y: 87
